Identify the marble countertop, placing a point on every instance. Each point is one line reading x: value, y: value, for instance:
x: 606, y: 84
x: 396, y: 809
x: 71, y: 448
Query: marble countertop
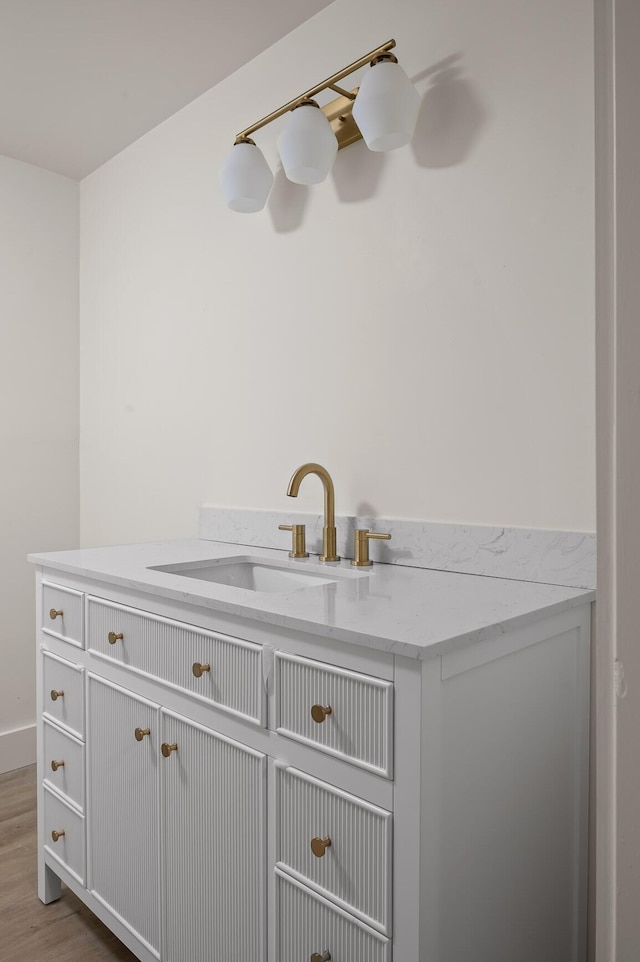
x: 416, y: 612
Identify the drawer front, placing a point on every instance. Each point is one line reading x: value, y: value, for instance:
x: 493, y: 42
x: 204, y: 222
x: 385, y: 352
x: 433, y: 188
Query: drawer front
x: 63, y: 613
x: 359, y: 726
x: 355, y: 868
x: 169, y: 650
x: 308, y: 924
x: 63, y: 694
x: 67, y: 848
x: 64, y: 764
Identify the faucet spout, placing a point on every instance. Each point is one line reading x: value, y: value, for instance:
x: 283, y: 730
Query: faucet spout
x: 329, y: 538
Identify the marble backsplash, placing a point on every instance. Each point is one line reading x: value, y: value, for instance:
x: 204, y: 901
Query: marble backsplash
x: 523, y: 554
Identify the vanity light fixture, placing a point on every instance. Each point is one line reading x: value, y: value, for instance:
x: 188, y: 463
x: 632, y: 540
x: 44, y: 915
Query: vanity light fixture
x: 383, y: 111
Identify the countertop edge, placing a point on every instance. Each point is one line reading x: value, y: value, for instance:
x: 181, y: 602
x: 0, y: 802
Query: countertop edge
x: 381, y: 643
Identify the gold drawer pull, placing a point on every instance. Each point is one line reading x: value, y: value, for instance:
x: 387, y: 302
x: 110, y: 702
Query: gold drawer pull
x: 56, y: 835
x: 319, y: 713
x: 166, y: 749
x: 53, y: 614
x: 56, y: 765
x: 199, y: 669
x: 56, y: 694
x: 113, y: 637
x: 141, y: 732
x: 319, y: 846
x: 321, y: 957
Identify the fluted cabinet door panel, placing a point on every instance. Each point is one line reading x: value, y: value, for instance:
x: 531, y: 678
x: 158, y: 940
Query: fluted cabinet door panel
x: 123, y: 807
x: 356, y: 867
x: 308, y: 924
x: 64, y: 763
x: 214, y: 842
x: 63, y: 694
x: 359, y: 727
x: 67, y: 607
x: 167, y: 650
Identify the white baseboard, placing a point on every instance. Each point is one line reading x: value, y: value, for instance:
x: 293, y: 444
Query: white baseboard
x: 17, y: 748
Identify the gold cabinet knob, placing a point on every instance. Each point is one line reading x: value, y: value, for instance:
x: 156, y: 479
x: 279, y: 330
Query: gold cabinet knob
x: 319, y: 713
x: 56, y: 765
x: 198, y: 669
x: 112, y: 637
x: 141, y: 732
x: 53, y: 614
x: 321, y: 957
x: 298, y: 544
x: 56, y: 835
x: 56, y: 694
x: 166, y: 749
x: 320, y: 845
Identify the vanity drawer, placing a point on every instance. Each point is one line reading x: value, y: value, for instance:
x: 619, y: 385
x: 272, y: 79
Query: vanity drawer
x: 357, y: 722
x: 308, y: 925
x: 228, y: 673
x: 63, y: 613
x: 67, y: 848
x: 355, y: 868
x: 63, y: 764
x: 63, y: 693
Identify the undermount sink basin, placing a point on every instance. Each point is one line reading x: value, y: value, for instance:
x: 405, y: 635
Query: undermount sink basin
x: 252, y: 574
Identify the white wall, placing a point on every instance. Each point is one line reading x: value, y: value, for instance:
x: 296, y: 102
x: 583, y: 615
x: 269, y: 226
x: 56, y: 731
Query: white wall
x: 38, y: 420
x: 422, y: 323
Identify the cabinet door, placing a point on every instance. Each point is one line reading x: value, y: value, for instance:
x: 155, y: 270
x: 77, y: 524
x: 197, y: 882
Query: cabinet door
x: 213, y: 831
x: 122, y: 810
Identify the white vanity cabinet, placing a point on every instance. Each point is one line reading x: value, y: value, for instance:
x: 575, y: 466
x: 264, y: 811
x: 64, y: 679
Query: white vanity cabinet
x: 236, y: 790
x: 172, y: 850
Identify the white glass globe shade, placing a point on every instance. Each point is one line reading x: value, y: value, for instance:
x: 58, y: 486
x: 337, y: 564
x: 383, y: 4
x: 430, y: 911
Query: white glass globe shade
x: 245, y: 179
x: 386, y: 107
x: 307, y: 146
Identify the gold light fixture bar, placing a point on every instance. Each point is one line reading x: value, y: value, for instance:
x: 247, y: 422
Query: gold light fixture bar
x: 338, y: 111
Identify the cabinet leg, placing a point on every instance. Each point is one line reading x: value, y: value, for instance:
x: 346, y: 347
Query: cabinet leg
x: 49, y: 885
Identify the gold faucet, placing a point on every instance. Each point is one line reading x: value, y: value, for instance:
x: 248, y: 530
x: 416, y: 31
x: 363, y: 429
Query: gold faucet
x: 329, y: 529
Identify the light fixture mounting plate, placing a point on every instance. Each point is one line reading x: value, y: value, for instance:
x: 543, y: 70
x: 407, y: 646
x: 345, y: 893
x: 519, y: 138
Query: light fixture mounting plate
x: 338, y: 113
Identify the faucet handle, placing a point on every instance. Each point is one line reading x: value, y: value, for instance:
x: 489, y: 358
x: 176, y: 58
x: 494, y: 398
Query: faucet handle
x: 298, y: 546
x: 361, y: 539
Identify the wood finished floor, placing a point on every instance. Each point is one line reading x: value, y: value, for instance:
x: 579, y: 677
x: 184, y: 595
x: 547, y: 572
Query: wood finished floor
x: 64, y: 931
